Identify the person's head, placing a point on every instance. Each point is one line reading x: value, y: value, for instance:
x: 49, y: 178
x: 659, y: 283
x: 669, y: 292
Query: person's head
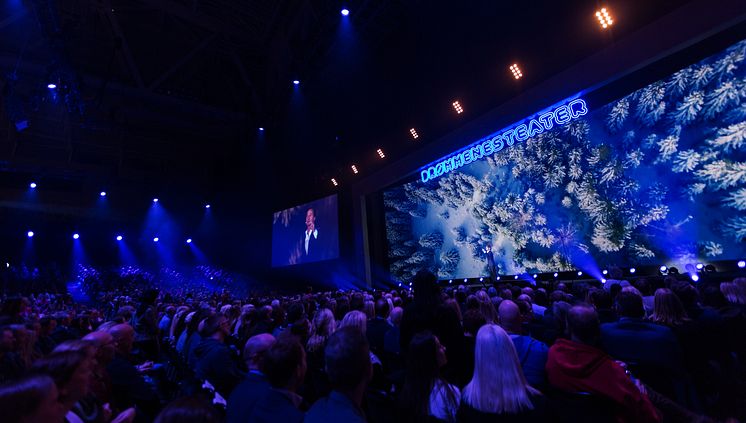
x: 296, y: 311
x: 599, y: 298
x: 31, y: 399
x: 310, y: 219
x: 71, y: 372
x: 170, y: 311
x: 668, y: 308
x: 217, y: 326
x: 324, y: 323
x: 473, y: 320
x: 105, y: 344
x: 396, y: 315
x: 425, y: 359
x: 426, y: 290
x: 583, y: 324
x: 509, y: 316
x: 124, y: 337
x: 347, y: 360
x: 629, y: 304
x: 255, y: 348
x: 284, y: 364
x: 498, y: 384
x: 369, y: 308
x: 356, y: 319
x: 382, y: 308
x: 195, y: 409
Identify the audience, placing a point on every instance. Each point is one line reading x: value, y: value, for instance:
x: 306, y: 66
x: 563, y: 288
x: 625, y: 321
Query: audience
x: 246, y: 394
x: 216, y: 362
x: 532, y: 354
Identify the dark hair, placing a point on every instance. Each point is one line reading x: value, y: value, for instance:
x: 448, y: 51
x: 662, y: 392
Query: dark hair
x: 281, y: 360
x: 60, y: 366
x: 426, y: 290
x: 194, y: 409
x: 629, y: 304
x: 296, y: 311
x: 382, y: 308
x: 599, y: 298
x: 347, y: 358
x: 212, y: 324
x: 582, y: 322
x: 21, y: 398
x: 473, y: 320
x: 422, y: 374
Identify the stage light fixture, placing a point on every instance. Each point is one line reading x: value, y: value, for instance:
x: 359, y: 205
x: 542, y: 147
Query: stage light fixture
x: 465, y: 280
x: 535, y: 276
x: 604, y: 18
x: 354, y: 169
x: 605, y: 272
x: 515, y: 277
x: 663, y: 269
x: 102, y: 193
x: 457, y: 107
x: 156, y: 239
x: 399, y: 284
x: 450, y: 281
x: 32, y: 185
x: 207, y: 206
x: 30, y: 234
x: 334, y: 182
x: 632, y: 270
x: 700, y: 266
x: 498, y: 278
x: 261, y: 129
x: 580, y: 273
x: 517, y: 74
x: 119, y: 238
x: 414, y: 133
x: 189, y: 240
x: 51, y: 86
x: 695, y: 277
x: 741, y: 264
x: 481, y: 279
x: 296, y: 82
x: 556, y: 274
x: 345, y: 12
x: 76, y: 236
x: 380, y: 153
x: 603, y: 280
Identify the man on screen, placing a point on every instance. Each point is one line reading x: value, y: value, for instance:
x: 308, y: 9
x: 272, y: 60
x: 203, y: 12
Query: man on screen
x: 310, y: 245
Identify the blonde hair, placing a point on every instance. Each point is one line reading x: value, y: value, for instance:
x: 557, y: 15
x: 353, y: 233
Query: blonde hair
x: 498, y: 385
x: 323, y: 327
x: 734, y: 292
x: 486, y: 307
x: 356, y: 319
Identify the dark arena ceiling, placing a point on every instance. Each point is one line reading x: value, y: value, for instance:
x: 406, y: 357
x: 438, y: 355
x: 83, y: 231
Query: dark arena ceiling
x: 170, y: 94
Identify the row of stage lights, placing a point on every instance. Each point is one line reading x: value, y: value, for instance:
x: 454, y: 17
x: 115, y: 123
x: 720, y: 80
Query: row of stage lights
x: 34, y: 185
x: 76, y: 236
x: 604, y: 19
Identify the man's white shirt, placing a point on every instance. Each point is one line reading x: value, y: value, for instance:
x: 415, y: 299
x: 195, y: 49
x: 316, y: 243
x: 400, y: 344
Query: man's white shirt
x: 308, y: 237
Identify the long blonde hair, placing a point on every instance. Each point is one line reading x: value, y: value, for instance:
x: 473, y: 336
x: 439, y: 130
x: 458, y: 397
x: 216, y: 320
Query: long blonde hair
x: 498, y: 385
x: 323, y: 326
x: 356, y: 319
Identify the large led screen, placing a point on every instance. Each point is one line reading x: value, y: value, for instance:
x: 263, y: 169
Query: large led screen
x: 306, y: 233
x: 658, y: 176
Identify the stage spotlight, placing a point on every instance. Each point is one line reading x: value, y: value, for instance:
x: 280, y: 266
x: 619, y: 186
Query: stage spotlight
x: 155, y: 200
x: 556, y: 274
x: 695, y: 277
x: 76, y: 236
x: 102, y: 193
x: 450, y: 282
x: 465, y: 280
x: 7, y: 265
x: 207, y: 206
x: 52, y: 86
x: 354, y: 169
x: 380, y: 153
x: 535, y: 276
x: 189, y: 240
x: 517, y: 74
x: 710, y: 268
x: 400, y: 284
x: 673, y: 271
x: 32, y: 185
x: 700, y: 266
x: 345, y: 12
x: 498, y: 278
x: 296, y: 82
x: 156, y: 239
x: 414, y: 133
x: 410, y: 284
x: 119, y: 238
x: 30, y: 234
x: 605, y: 271
x: 515, y: 277
x: 481, y: 279
x: 457, y: 107
x: 663, y: 269
x: 334, y: 182
x: 604, y: 18
x: 632, y: 270
x: 741, y: 264
x: 261, y: 129
x: 580, y: 273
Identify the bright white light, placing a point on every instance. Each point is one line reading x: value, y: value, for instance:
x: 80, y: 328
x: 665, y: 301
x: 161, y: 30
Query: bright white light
x: 296, y: 82
x: 119, y: 238
x: 450, y: 281
x: 189, y: 240
x: 32, y: 185
x: 155, y: 200
x: 517, y: 74
x: 261, y: 128
x: 535, y: 276
x: 102, y: 193
x: 7, y: 265
x: 695, y: 278
x: 465, y: 279
x: 663, y: 269
x: 380, y: 153
x: 354, y: 169
x: 604, y: 18
x: 414, y: 133
x: 515, y: 277
x: 741, y: 264
x: 556, y: 274
x: 156, y: 239
x: 207, y: 206
x: 580, y: 273
x: 457, y: 107
x: 605, y: 272
x: 345, y: 12
x: 498, y: 278
x: 603, y: 280
x: 76, y: 236
x: 481, y: 279
x: 52, y: 86
x: 30, y: 234
x: 700, y: 266
x: 632, y: 270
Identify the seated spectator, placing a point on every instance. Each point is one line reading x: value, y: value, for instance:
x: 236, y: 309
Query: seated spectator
x: 378, y: 326
x: 425, y: 393
x: 391, y: 342
x: 31, y: 399
x: 577, y: 365
x: 284, y: 365
x: 189, y: 410
x: 244, y: 397
x: 11, y: 365
x: 349, y: 369
x: 532, y: 354
x: 215, y: 360
x: 498, y: 388
x: 164, y: 326
x: 600, y: 299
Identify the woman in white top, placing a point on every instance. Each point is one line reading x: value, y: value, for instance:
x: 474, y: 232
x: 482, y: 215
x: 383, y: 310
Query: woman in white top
x: 425, y: 393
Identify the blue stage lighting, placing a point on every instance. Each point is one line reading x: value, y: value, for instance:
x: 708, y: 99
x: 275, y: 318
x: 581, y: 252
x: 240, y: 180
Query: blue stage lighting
x: 155, y: 200
x: 700, y: 266
x: 632, y: 270
x: 741, y: 264
x: 261, y: 128
x: 663, y: 269
x: 207, y: 206
x: 30, y: 234
x: 296, y: 82
x: 556, y: 274
x: 52, y: 86
x: 399, y: 283
x: 119, y: 238
x: 32, y: 185
x: 535, y: 276
x: 465, y: 280
x: 605, y: 272
x: 498, y: 278
x: 515, y: 277
x: 76, y: 236
x: 481, y: 279
x: 102, y: 193
x: 156, y: 239
x: 580, y: 273
x: 451, y: 281
x: 695, y: 277
x: 345, y: 12
x: 189, y: 240
x: 603, y: 280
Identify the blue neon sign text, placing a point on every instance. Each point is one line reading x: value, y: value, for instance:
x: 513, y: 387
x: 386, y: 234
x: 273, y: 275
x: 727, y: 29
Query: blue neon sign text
x: 543, y: 121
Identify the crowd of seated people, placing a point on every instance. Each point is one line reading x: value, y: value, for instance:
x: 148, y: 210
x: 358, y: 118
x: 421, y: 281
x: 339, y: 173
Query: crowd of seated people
x: 645, y: 351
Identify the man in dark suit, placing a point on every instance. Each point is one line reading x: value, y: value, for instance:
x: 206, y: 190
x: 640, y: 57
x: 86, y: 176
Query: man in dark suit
x: 378, y: 327
x: 311, y: 248
x: 215, y: 360
x: 243, y: 399
x: 284, y: 364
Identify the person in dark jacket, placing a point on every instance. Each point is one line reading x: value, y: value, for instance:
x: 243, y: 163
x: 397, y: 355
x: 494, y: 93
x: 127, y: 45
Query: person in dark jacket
x: 532, y: 354
x: 378, y: 326
x: 284, y: 364
x: 243, y: 399
x: 215, y: 360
